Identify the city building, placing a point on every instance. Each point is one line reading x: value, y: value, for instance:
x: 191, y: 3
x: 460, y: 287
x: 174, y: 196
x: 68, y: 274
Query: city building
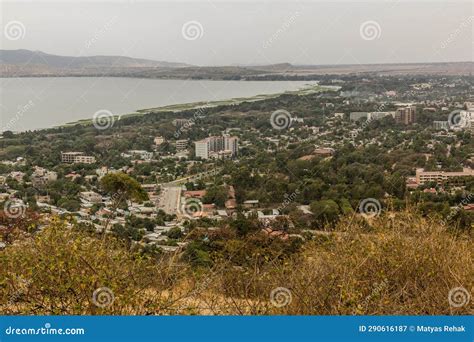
x: 406, y: 115
x: 469, y: 106
x: 324, y: 152
x: 76, y: 157
x: 140, y: 154
x: 181, y: 122
x: 181, y: 144
x: 202, y: 149
x: 17, y: 175
x: 440, y: 125
x: 41, y: 176
x: 379, y: 115
x: 356, y: 116
x: 439, y: 177
x: 219, y: 147
x: 159, y: 140
x: 91, y: 196
x: 467, y: 120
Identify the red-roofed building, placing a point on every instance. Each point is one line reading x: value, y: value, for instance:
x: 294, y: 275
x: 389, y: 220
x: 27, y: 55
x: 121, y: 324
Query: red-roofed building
x: 195, y: 194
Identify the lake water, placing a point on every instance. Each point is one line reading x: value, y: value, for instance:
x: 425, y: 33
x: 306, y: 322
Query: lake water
x: 33, y: 103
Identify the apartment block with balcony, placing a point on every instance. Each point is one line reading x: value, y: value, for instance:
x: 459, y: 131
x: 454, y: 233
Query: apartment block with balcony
x: 441, y: 177
x: 76, y: 157
x: 218, y: 147
x: 406, y: 115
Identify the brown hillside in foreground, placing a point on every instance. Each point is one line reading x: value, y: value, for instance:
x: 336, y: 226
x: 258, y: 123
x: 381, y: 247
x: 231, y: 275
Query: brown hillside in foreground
x: 397, y: 264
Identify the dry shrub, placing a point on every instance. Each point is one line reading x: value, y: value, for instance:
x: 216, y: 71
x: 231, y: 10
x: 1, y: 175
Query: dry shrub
x: 393, y: 264
x: 58, y: 270
x: 398, y: 264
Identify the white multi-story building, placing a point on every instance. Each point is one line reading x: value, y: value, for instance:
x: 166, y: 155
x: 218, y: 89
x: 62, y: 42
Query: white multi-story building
x: 231, y: 144
x: 84, y: 159
x: 355, y: 116
x: 91, y: 196
x: 76, y: 157
x: 466, y: 120
x: 440, y: 125
x: 202, y: 148
x: 439, y: 177
x: 217, y: 147
x: 379, y: 115
x: 181, y: 144
x: 141, y: 154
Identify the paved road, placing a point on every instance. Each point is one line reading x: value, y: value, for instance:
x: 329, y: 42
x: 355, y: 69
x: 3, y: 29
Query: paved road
x: 169, y: 199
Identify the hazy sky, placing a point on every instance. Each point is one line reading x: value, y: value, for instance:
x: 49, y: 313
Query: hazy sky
x: 243, y: 32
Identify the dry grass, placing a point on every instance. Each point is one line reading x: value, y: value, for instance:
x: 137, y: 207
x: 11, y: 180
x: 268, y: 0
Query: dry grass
x: 398, y: 264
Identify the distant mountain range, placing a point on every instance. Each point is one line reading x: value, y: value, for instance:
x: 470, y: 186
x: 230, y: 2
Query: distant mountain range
x: 25, y: 57
x: 27, y: 63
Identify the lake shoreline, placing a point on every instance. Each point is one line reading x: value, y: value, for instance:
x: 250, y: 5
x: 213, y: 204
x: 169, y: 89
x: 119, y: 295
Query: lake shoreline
x: 176, y: 108
x: 33, y: 104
